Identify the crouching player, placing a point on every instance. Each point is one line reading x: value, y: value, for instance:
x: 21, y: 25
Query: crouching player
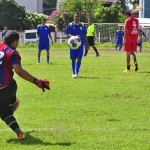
x: 9, y: 60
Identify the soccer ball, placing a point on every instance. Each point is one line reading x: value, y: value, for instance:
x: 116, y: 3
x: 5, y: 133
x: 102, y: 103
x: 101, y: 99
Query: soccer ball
x: 74, y: 42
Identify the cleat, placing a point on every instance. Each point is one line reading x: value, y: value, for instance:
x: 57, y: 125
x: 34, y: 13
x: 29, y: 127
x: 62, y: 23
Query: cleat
x: 74, y: 76
x: 136, y: 66
x: 38, y: 62
x: 127, y: 70
x: 97, y: 55
x: 21, y: 136
x: 16, y: 106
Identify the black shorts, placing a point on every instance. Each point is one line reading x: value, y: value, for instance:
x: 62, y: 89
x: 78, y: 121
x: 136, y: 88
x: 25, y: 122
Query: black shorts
x: 7, y: 99
x: 91, y: 40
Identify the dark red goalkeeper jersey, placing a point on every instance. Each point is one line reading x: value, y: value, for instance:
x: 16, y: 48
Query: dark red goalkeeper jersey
x: 8, y: 57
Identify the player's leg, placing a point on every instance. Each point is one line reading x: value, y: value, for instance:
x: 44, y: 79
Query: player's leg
x: 127, y: 49
x: 40, y: 47
x: 86, y: 51
x: 79, y: 58
x: 86, y: 48
x: 121, y: 44
x: 48, y: 56
x: 6, y: 112
x: 117, y: 43
x: 73, y: 56
x: 134, y: 48
x: 47, y: 47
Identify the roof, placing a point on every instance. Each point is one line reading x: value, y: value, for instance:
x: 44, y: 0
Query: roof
x: 110, y: 1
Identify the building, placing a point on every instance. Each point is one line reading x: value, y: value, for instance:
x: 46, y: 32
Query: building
x: 32, y: 5
x: 144, y: 9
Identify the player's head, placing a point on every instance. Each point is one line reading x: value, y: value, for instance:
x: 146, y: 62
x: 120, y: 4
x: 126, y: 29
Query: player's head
x: 76, y: 17
x: 5, y: 28
x: 12, y: 39
x: 43, y: 21
x: 127, y: 14
x: 89, y: 20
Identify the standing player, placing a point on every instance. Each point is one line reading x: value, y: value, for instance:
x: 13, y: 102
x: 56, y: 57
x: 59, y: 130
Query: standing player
x: 9, y: 60
x: 139, y: 43
x: 90, y: 36
x: 43, y: 35
x: 119, y: 39
x: 4, y: 33
x: 77, y: 28
x: 130, y: 39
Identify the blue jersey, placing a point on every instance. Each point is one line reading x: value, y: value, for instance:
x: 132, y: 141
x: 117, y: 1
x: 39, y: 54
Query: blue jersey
x: 77, y: 29
x: 120, y: 34
x: 43, y: 32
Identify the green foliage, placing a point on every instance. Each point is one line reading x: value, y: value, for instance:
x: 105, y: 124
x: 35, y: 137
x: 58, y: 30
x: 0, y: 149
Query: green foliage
x: 32, y: 20
x: 92, y: 8
x: 11, y: 14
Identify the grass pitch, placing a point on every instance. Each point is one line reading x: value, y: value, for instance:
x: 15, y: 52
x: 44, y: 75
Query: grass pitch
x: 104, y: 109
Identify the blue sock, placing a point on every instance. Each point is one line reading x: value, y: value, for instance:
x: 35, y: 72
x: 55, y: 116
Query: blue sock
x: 116, y: 47
x: 73, y: 67
x: 78, y: 67
x: 38, y: 58
x: 120, y: 48
x: 48, y: 59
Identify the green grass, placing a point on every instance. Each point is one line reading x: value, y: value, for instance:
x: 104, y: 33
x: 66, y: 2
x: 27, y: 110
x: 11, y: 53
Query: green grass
x: 104, y: 109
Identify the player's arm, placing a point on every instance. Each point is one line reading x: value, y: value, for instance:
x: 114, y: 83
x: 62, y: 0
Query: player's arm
x: 50, y: 36
x: 68, y: 31
x: 43, y: 84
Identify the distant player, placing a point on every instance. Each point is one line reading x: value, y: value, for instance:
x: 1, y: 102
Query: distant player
x: 140, y: 40
x: 90, y: 36
x: 119, y: 39
x: 4, y: 33
x: 43, y: 35
x: 10, y: 60
x: 76, y: 28
x: 130, y: 39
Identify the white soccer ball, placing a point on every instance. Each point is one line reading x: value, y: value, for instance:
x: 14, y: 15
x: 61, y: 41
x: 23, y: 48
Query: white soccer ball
x: 74, y: 42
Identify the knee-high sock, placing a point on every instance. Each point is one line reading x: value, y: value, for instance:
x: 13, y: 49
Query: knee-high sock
x: 12, y: 123
x: 48, y: 59
x: 95, y: 49
x: 38, y: 58
x: 78, y: 67
x: 120, y: 47
x: 73, y: 67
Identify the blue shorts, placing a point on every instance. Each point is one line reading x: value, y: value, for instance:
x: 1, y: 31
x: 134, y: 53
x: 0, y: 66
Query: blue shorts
x: 139, y: 44
x: 43, y: 45
x: 74, y: 54
x: 119, y: 42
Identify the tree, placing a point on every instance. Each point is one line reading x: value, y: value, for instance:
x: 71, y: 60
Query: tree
x: 86, y: 8
x: 11, y: 14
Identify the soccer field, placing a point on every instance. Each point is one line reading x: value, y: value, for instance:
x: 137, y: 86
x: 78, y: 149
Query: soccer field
x: 103, y: 109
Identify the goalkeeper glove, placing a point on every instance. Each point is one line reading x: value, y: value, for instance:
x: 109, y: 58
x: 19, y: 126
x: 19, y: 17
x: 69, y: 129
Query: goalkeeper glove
x: 43, y: 84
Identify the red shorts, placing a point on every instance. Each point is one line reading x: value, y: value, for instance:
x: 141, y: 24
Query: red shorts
x: 130, y: 46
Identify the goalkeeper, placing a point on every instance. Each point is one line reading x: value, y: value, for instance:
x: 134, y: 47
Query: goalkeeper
x: 9, y: 60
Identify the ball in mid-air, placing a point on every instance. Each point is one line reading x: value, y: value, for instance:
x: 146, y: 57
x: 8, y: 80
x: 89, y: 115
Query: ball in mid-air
x: 74, y: 42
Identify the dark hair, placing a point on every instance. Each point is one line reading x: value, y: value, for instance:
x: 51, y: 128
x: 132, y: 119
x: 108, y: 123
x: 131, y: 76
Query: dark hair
x: 128, y: 13
x: 43, y: 19
x: 77, y: 13
x: 11, y: 37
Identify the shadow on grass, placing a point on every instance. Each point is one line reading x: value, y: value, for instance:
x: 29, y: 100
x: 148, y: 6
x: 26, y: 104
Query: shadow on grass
x: 88, y: 77
x: 145, y: 72
x: 30, y: 140
x: 113, y: 120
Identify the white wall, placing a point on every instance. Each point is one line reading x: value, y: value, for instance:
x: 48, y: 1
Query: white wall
x: 32, y: 5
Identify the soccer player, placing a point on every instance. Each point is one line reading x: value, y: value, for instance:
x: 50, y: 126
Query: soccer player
x: 76, y: 28
x: 139, y: 43
x: 119, y: 39
x: 90, y: 36
x: 43, y: 35
x: 4, y: 33
x: 130, y: 39
x: 10, y: 60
